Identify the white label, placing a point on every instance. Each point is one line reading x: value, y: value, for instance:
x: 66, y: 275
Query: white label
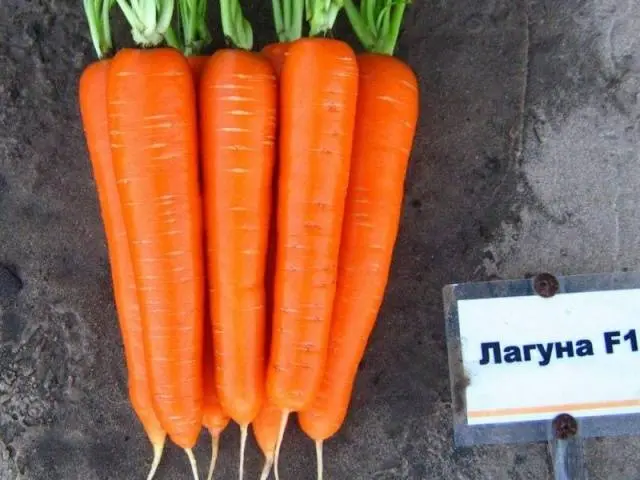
x: 531, y: 358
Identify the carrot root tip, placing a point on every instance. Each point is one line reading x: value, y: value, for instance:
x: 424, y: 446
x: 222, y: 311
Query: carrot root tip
x: 158, y: 448
x: 319, y: 461
x: 244, y: 429
x: 283, y: 427
x: 268, y: 465
x: 214, y: 456
x: 192, y: 461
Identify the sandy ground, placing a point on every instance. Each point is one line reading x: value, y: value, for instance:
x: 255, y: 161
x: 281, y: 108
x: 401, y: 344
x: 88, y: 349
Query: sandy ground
x: 526, y: 159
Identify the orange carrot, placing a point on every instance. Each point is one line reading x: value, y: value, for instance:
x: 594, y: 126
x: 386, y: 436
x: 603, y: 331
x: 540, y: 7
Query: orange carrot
x: 317, y: 113
x: 93, y: 109
x: 153, y: 131
x: 93, y: 106
x: 214, y: 419
x: 237, y: 119
x: 386, y: 120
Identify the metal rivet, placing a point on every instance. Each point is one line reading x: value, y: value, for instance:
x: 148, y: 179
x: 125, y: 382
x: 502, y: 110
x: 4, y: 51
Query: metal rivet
x: 546, y: 285
x: 565, y: 426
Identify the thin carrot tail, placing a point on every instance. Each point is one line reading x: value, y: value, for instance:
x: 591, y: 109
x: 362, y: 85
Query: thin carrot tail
x: 244, y: 429
x: 214, y: 455
x: 192, y: 461
x: 319, y: 462
x: 268, y: 465
x: 283, y: 427
x: 158, y: 448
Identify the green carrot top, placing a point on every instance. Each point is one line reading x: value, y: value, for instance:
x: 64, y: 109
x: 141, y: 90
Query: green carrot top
x: 97, y: 12
x: 149, y: 19
x: 235, y: 26
x: 287, y: 16
x: 377, y: 23
x: 322, y: 14
x: 191, y: 33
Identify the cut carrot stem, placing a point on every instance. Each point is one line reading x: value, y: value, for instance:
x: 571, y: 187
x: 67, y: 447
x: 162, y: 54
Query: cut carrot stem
x: 321, y: 15
x: 288, y: 17
x: 192, y: 462
x: 149, y: 19
x: 377, y: 24
x: 190, y: 33
x: 97, y: 13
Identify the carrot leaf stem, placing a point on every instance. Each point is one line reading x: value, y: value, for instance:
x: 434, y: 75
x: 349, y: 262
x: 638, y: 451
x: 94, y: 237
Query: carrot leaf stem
x: 192, y: 33
x: 235, y: 26
x: 149, y: 19
x: 287, y: 17
x: 322, y: 14
x: 377, y: 23
x: 97, y: 13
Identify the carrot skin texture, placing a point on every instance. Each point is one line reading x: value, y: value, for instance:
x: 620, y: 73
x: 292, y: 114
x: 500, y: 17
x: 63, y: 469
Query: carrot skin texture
x: 277, y: 53
x: 153, y: 131
x: 385, y: 127
x: 319, y: 83
x: 93, y: 107
x: 238, y: 101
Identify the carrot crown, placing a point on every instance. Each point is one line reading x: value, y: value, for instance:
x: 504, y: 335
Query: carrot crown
x: 149, y: 19
x: 191, y: 33
x: 97, y: 12
x: 287, y: 16
x: 322, y: 14
x: 377, y: 23
x: 236, y: 28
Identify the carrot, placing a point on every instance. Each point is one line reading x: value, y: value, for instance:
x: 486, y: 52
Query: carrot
x: 318, y: 87
x: 153, y: 130
x: 93, y: 109
x: 386, y: 120
x: 238, y: 95
x: 266, y: 428
x: 214, y: 419
x: 287, y: 16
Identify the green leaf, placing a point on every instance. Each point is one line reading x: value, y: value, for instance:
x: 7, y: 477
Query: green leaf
x: 97, y: 13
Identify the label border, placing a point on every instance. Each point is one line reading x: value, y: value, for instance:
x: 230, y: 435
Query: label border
x: 526, y: 431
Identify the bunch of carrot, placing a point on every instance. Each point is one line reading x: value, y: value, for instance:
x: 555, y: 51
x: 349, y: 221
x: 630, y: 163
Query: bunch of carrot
x: 251, y: 203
